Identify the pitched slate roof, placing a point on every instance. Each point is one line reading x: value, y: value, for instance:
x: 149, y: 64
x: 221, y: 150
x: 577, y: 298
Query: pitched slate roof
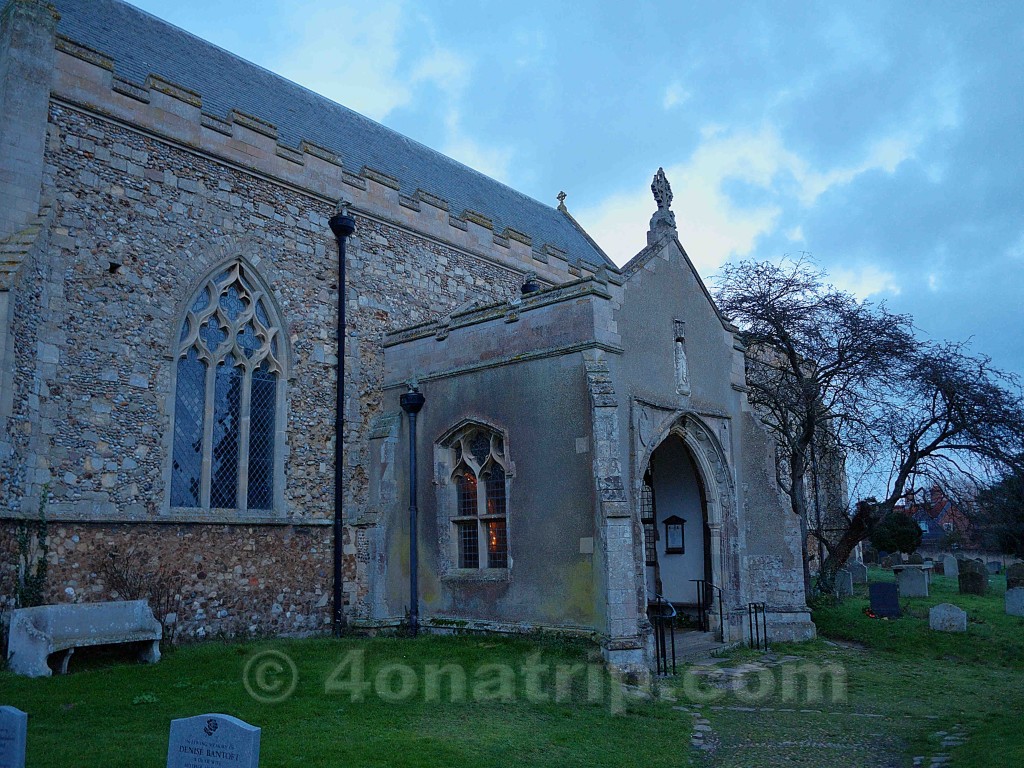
x: 141, y: 44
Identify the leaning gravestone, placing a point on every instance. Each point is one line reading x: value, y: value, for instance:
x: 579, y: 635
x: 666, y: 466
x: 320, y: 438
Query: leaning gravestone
x: 950, y: 566
x: 213, y: 741
x: 913, y: 582
x: 1015, y: 576
x: 13, y: 731
x: 844, y: 583
x: 973, y: 578
x: 859, y: 572
x: 885, y: 600
x: 947, y: 618
x: 1015, y: 601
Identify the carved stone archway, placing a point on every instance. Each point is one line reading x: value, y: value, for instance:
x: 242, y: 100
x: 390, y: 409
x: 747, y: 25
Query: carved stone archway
x: 652, y: 425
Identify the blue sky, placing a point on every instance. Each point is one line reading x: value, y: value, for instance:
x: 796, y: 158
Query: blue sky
x: 886, y: 139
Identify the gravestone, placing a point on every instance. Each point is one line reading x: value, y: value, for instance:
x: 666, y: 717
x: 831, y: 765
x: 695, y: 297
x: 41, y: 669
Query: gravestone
x: 973, y: 578
x: 938, y: 568
x: 994, y: 566
x: 213, y: 741
x: 1015, y: 576
x: 844, y: 583
x: 915, y: 559
x: 885, y: 600
x: 946, y: 617
x: 913, y: 582
x: 859, y: 572
x: 13, y: 731
x: 950, y: 565
x: 1015, y: 601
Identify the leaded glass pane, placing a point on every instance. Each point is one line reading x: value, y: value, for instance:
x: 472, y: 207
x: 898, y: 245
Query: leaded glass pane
x: 202, y: 301
x: 466, y: 485
x: 469, y: 551
x: 248, y: 340
x: 497, y: 544
x: 187, y: 454
x: 262, y: 411
x: 231, y: 295
x: 496, y: 490
x: 213, y: 334
x: 231, y: 302
x: 226, y: 416
x: 480, y: 447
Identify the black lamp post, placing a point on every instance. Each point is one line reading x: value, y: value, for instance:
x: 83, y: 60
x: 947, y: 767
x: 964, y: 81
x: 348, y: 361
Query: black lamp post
x: 342, y: 225
x: 411, y: 402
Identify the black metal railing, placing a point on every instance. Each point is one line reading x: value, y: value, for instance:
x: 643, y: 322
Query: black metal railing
x: 662, y: 615
x: 757, y: 624
x: 706, y: 603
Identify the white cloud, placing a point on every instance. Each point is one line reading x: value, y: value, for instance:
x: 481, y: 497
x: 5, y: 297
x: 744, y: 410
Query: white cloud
x: 711, y: 225
x: 496, y: 162
x: 675, y: 95
x: 866, y: 281
x: 370, y: 71
x: 359, y: 69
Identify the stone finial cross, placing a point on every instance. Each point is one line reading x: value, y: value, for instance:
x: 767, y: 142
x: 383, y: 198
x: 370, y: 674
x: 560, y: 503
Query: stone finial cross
x: 561, y: 202
x: 662, y: 190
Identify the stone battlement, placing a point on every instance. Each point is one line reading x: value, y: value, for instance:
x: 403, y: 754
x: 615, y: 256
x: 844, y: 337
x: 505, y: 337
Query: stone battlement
x: 85, y: 79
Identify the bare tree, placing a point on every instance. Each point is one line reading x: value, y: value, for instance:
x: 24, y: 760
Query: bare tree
x: 832, y: 374
x: 813, y: 352
x: 938, y: 415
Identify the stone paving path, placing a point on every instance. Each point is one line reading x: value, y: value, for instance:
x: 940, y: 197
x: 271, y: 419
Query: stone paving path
x: 766, y: 736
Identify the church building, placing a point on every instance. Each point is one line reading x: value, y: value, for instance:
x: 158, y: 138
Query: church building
x: 169, y: 361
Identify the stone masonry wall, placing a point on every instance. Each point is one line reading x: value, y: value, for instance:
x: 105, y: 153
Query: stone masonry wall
x: 138, y: 222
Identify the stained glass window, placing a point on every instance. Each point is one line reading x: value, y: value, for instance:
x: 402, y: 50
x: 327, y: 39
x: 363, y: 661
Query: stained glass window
x: 480, y: 477
x: 227, y: 394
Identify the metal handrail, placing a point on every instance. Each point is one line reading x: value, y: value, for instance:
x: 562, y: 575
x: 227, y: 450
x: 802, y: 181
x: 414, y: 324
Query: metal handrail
x: 664, y: 627
x: 757, y: 622
x: 705, y: 601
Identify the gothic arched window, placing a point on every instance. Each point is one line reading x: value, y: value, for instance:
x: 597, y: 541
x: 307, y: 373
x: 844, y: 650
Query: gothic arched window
x: 480, y: 522
x: 229, y: 387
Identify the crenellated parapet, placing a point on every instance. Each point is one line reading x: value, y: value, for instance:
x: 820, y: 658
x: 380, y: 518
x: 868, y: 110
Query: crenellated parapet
x: 88, y: 80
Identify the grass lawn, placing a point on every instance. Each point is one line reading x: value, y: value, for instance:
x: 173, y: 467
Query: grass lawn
x: 905, y: 683
x: 119, y: 714
x: 525, y: 702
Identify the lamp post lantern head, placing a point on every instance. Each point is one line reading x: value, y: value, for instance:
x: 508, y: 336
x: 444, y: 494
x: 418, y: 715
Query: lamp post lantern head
x: 341, y: 223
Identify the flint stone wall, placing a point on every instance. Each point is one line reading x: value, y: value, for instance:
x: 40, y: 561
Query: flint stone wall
x: 137, y: 223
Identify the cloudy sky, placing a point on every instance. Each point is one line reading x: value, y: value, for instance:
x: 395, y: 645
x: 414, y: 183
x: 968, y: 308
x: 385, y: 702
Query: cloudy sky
x: 884, y: 138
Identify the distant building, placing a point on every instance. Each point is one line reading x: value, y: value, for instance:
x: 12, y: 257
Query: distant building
x: 944, y: 524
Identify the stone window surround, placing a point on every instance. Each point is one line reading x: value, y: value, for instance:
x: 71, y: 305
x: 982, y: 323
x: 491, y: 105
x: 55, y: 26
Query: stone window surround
x: 448, y: 505
x: 230, y: 515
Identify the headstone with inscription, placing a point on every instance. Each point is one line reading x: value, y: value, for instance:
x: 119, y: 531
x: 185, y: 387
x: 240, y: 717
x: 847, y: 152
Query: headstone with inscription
x: 885, y: 600
x: 1015, y: 576
x: 213, y: 741
x: 950, y: 566
x: 859, y: 572
x: 13, y: 732
x: 947, y: 617
x: 1015, y: 601
x: 844, y: 583
x: 913, y: 581
x: 973, y: 578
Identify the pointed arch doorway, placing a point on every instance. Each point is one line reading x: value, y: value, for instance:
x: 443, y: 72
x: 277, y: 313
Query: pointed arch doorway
x: 677, y: 535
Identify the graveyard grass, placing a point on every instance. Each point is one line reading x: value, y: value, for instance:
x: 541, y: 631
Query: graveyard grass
x: 905, y: 684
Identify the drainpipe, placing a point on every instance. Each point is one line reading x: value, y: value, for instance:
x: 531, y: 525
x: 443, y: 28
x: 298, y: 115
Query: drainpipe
x: 411, y: 402
x: 342, y: 225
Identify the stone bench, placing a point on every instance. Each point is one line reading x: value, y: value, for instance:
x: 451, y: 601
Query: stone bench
x: 36, y: 633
